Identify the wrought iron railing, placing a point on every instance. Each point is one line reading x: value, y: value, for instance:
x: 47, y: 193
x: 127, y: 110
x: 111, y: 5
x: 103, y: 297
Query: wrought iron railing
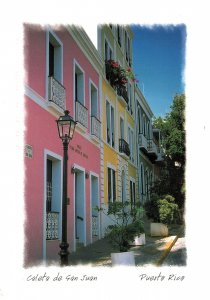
x: 52, y: 226
x: 122, y: 91
x: 95, y: 127
x: 94, y: 225
x: 56, y: 92
x: 81, y: 114
x: 124, y: 147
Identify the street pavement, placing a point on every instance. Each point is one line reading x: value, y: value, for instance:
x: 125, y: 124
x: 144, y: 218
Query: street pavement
x: 156, y: 252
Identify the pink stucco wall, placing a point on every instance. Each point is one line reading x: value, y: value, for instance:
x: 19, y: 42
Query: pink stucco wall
x: 35, y: 64
x: 41, y: 133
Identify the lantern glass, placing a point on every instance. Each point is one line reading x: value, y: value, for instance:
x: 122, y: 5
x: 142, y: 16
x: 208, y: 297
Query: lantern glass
x: 66, y: 126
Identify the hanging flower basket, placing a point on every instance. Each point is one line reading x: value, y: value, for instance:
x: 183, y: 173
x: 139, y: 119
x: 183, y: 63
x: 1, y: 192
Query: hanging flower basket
x: 116, y: 75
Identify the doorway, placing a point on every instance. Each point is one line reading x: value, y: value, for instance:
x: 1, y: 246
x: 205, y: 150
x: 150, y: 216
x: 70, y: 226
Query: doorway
x: 80, y: 209
x: 95, y: 214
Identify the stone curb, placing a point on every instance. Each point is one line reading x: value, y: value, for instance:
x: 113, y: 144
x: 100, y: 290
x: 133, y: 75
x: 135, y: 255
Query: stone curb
x: 168, y: 247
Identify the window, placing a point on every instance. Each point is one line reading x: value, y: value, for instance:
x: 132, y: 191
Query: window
x: 94, y: 100
x: 107, y: 51
x: 127, y: 48
x: 148, y: 130
x: 54, y: 58
x: 139, y: 120
x: 142, y: 179
x: 122, y: 128
x: 131, y: 143
x: 129, y: 87
x: 111, y: 185
x: 123, y: 179
x: 144, y: 126
x: 49, y: 186
x: 126, y: 45
x: 132, y: 194
x: 110, y: 135
x: 119, y: 35
x: 147, y: 183
x: 79, y: 84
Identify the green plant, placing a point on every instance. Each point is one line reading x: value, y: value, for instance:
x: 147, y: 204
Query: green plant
x: 163, y: 210
x: 168, y: 210
x: 138, y: 222
x: 127, y: 223
x: 152, y: 209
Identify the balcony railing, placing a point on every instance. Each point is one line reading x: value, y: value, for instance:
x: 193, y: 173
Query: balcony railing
x: 56, y: 92
x: 94, y: 225
x: 81, y: 114
x: 143, y: 143
x: 160, y: 156
x: 152, y: 147
x: 52, y: 226
x: 95, y: 127
x: 121, y: 91
x: 124, y: 147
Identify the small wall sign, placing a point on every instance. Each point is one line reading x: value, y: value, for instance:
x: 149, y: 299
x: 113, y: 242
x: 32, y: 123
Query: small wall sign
x: 29, y: 151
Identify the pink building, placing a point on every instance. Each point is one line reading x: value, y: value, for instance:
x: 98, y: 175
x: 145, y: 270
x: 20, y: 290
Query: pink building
x: 62, y: 71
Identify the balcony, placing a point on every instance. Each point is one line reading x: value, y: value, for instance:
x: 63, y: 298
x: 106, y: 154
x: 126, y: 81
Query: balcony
x: 152, y: 150
x: 81, y: 114
x: 124, y: 147
x: 52, y: 226
x: 56, y: 93
x: 121, y: 91
x: 95, y: 127
x: 160, y: 154
x: 143, y: 143
x: 152, y: 147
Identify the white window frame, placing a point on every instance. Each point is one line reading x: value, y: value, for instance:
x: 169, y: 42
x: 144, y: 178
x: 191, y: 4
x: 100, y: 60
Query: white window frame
x: 49, y: 32
x: 109, y: 48
x: 122, y: 118
x: 91, y: 83
x: 113, y: 169
x: 78, y: 66
x: 131, y: 142
x: 111, y: 125
x: 133, y: 191
x: 142, y: 179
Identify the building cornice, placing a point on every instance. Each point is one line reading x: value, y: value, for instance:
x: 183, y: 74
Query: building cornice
x: 86, y: 45
x: 143, y: 101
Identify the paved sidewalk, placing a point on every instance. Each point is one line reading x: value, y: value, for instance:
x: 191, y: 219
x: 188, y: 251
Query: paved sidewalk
x: 152, y: 253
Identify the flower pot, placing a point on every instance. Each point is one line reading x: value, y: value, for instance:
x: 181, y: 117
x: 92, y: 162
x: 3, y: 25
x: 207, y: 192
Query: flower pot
x: 123, y: 259
x: 139, y: 240
x: 158, y: 229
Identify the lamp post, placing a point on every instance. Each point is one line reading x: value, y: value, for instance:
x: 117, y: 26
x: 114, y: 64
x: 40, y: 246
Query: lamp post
x: 66, y: 126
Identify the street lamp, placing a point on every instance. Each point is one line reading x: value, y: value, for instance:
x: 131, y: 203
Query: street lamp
x: 66, y: 126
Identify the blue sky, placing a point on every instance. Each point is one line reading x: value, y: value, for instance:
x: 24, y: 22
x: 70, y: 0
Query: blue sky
x: 158, y: 62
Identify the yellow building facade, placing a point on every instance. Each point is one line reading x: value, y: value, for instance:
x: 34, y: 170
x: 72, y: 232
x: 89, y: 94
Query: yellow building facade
x: 118, y: 151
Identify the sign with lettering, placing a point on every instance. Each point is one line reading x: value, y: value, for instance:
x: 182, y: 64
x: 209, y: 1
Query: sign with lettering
x: 78, y: 149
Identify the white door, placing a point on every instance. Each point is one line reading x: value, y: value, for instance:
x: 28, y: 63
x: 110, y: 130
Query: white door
x: 80, y: 207
x: 94, y: 203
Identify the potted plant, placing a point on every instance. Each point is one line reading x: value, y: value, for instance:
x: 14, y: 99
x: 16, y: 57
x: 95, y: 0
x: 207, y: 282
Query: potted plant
x: 162, y: 212
x: 121, y: 232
